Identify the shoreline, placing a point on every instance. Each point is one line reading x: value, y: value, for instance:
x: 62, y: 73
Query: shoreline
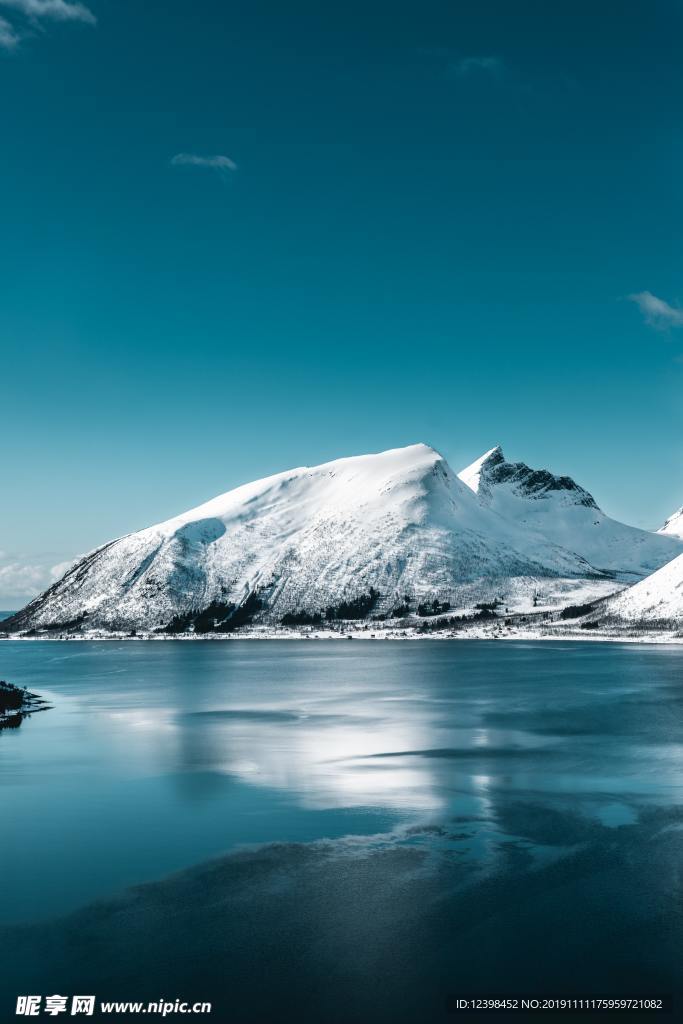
x: 269, y: 634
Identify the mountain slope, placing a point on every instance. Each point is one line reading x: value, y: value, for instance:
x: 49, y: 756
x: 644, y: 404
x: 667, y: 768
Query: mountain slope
x: 673, y: 527
x: 657, y: 600
x: 567, y: 515
x: 351, y: 534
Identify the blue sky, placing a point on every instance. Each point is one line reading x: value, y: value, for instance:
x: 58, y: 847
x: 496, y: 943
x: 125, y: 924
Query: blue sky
x: 242, y: 237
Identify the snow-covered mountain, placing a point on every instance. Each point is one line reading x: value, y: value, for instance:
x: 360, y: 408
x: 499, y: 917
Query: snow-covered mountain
x: 567, y: 515
x: 673, y: 527
x: 655, y: 601
x: 371, y: 533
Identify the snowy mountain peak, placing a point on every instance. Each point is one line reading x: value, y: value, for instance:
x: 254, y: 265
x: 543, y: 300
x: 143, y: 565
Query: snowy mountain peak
x: 673, y: 527
x: 493, y: 470
x: 360, y: 536
x: 472, y: 475
x: 342, y: 483
x: 567, y: 515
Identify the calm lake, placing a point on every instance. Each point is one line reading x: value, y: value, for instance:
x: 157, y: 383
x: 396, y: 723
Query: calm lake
x: 448, y: 817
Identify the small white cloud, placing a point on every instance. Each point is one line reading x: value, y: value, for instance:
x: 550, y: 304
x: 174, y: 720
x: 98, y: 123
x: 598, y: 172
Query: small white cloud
x: 216, y: 163
x: 658, y: 313
x: 9, y: 37
x: 473, y: 65
x: 52, y: 10
x: 17, y: 580
x: 21, y: 579
x: 57, y: 571
x: 32, y: 13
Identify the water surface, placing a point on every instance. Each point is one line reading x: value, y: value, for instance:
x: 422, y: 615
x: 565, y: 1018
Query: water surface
x: 513, y: 808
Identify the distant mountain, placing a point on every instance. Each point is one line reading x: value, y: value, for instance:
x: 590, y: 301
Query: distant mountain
x: 673, y: 527
x: 655, y: 601
x: 567, y: 515
x: 374, y: 534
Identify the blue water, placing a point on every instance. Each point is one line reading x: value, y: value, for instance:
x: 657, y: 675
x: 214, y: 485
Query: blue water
x: 507, y: 766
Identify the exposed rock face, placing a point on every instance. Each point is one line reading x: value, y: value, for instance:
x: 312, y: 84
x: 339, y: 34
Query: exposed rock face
x: 493, y: 469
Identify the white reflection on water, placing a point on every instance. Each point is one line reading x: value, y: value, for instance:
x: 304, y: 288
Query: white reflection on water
x: 320, y: 757
x: 157, y: 756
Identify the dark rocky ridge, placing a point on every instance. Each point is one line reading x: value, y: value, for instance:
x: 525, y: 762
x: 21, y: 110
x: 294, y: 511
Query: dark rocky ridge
x: 531, y: 482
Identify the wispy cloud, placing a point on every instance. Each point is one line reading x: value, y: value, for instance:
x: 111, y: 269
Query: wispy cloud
x: 219, y: 163
x: 9, y: 37
x: 658, y: 313
x: 28, y: 17
x: 21, y: 579
x: 52, y: 10
x: 475, y: 65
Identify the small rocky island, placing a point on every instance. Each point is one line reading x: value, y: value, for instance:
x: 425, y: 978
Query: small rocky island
x: 16, y: 704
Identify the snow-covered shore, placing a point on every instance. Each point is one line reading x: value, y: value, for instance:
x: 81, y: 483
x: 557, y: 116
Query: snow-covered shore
x: 494, y: 630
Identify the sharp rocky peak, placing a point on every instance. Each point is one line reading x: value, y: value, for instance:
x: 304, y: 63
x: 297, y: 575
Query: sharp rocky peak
x: 493, y: 470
